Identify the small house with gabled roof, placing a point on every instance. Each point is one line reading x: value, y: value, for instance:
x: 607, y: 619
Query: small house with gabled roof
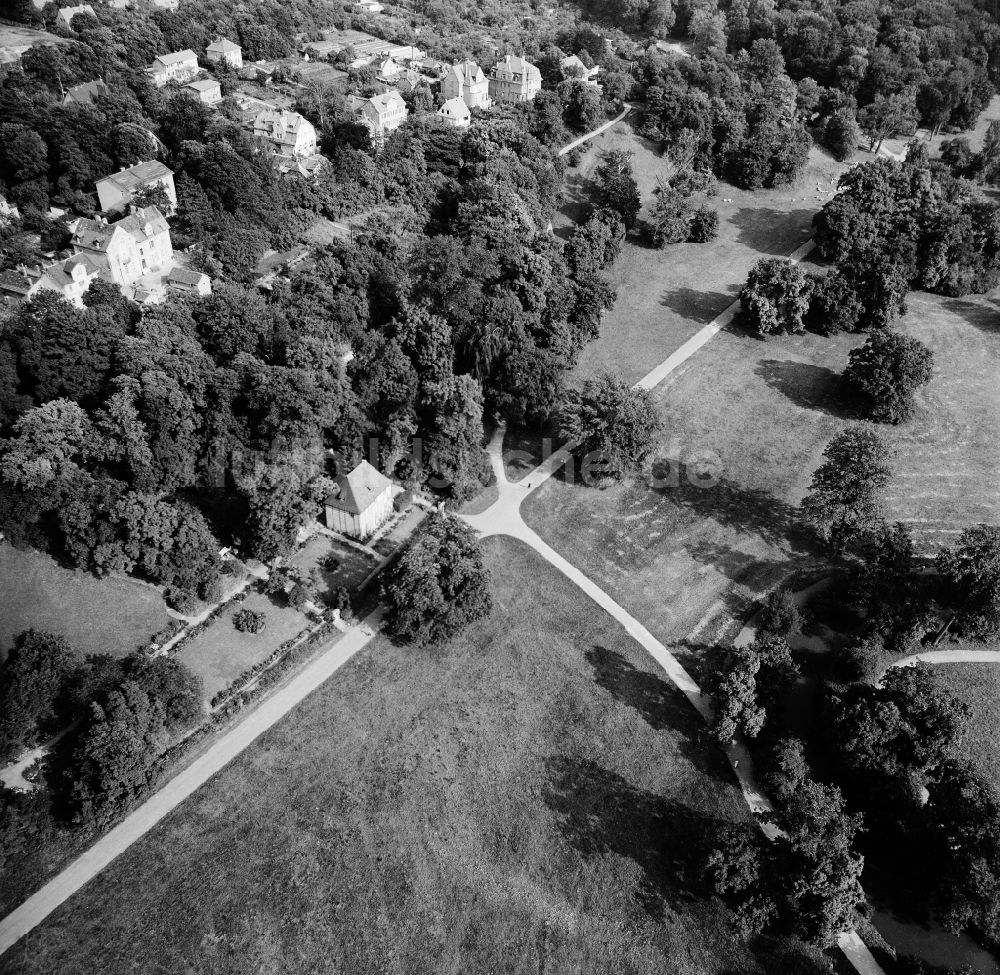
x: 360, y: 503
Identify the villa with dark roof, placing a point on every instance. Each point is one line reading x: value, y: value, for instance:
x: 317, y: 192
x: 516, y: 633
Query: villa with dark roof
x: 514, y: 80
x: 361, y: 502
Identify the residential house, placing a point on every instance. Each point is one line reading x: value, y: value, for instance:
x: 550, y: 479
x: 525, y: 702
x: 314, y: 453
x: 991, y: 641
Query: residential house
x: 182, y: 280
x: 308, y: 166
x: 222, y: 50
x: 115, y: 192
x: 387, y: 68
x: 128, y: 249
x: 208, y: 91
x: 368, y: 7
x: 166, y: 4
x: 66, y: 14
x: 71, y: 278
x: 514, y: 80
x: 360, y: 503
x: 274, y: 264
x: 85, y: 94
x: 288, y: 132
x: 572, y: 67
x: 456, y: 113
x: 180, y: 66
x: 382, y: 114
x: 466, y: 81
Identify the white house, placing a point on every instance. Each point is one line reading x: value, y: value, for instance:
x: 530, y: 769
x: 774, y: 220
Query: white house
x: 360, y: 503
x: 189, y: 282
x: 456, y: 113
x: 208, y: 91
x: 128, y: 249
x: 178, y: 66
x: 382, y: 114
x: 66, y: 14
x: 225, y: 50
x: 573, y: 67
x: 288, y: 132
x: 466, y: 81
x: 70, y: 278
x: 116, y: 191
x: 368, y: 7
x: 514, y: 80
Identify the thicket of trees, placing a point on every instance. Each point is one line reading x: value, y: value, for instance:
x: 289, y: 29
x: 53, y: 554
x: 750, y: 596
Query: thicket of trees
x: 121, y: 715
x: 439, y: 585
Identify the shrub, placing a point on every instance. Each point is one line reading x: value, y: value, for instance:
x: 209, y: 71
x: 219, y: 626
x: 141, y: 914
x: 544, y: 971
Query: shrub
x: 298, y: 596
x: 704, y: 225
x: 247, y: 621
x: 780, y: 615
x: 183, y: 601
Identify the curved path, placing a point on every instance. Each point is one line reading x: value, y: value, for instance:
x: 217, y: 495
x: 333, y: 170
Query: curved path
x: 503, y: 517
x: 949, y: 657
x: 142, y: 819
x: 596, y: 132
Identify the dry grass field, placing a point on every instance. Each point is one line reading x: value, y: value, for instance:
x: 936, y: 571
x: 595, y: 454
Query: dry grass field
x: 508, y: 802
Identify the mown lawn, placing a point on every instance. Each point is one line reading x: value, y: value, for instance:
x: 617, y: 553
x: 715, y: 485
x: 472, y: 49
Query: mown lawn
x: 220, y: 652
x: 947, y: 457
x: 979, y: 686
x: 745, y: 422
x: 665, y: 296
x: 112, y: 615
x: 507, y: 802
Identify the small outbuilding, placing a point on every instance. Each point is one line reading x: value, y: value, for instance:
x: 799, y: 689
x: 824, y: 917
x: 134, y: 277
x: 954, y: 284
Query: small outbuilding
x: 361, y: 502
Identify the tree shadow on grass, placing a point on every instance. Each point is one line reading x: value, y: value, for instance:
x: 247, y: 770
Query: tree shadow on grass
x: 699, y: 306
x: 756, y: 226
x: 749, y: 510
x: 662, y: 706
x: 808, y: 386
x: 600, y: 813
x: 983, y: 315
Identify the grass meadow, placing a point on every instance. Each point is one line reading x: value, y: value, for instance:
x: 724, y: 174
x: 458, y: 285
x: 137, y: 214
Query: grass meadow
x: 665, y: 296
x: 111, y: 615
x: 507, y: 802
x: 220, y: 652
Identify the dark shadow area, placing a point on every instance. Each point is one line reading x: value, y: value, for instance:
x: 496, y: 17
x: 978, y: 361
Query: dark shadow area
x: 984, y: 315
x: 750, y: 510
x: 699, y: 306
x: 662, y: 706
x: 757, y: 227
x: 808, y: 386
x: 656, y: 700
x: 600, y: 813
x: 577, y: 197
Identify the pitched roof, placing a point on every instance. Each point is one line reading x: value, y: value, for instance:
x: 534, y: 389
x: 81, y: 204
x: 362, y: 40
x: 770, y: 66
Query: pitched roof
x: 136, y: 223
x: 517, y: 68
x: 181, y: 275
x: 222, y: 45
x: 359, y: 489
x: 176, y: 57
x: 137, y: 176
x: 206, y: 84
x: 468, y: 73
x: 86, y: 93
x: 14, y: 281
x: 455, y: 108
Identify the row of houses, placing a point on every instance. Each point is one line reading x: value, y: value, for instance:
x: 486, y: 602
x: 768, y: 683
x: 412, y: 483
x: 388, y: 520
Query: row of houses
x: 182, y: 66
